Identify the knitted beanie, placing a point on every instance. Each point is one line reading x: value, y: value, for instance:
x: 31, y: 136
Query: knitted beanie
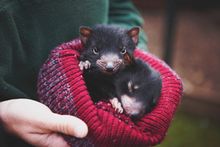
x: 62, y: 88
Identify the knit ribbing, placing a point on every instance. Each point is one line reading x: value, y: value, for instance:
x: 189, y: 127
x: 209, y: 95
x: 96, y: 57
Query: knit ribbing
x: 62, y: 88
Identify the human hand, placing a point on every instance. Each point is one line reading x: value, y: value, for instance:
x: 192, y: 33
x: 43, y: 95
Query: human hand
x: 37, y: 124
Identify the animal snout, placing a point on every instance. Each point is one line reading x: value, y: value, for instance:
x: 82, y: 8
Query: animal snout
x: 109, y: 66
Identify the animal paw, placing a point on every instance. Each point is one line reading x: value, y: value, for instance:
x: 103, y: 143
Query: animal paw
x: 116, y: 105
x: 84, y: 65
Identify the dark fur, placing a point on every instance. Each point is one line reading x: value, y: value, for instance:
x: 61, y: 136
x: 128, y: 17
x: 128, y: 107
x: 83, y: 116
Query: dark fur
x: 102, y: 85
x: 107, y: 39
x: 148, y: 80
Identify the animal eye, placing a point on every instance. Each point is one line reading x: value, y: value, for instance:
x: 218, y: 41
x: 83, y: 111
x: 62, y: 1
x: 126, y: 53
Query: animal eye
x: 130, y: 87
x: 123, y: 50
x: 136, y: 87
x: 95, y: 50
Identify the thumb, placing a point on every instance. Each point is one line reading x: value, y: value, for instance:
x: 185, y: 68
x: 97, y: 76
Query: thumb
x: 50, y: 140
x: 67, y: 124
x: 55, y: 140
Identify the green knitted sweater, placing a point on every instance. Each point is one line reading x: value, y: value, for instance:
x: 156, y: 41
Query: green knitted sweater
x: 29, y: 29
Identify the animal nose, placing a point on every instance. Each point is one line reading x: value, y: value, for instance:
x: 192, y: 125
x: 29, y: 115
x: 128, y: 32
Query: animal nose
x: 109, y: 67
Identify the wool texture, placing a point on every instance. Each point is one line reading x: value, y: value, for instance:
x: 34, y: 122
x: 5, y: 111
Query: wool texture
x: 62, y: 88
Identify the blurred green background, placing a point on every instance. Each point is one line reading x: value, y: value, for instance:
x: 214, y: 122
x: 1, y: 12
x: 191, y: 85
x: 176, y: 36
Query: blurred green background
x: 191, y: 131
x: 193, y: 46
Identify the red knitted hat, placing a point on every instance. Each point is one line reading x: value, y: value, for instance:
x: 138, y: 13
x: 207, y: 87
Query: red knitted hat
x: 62, y: 88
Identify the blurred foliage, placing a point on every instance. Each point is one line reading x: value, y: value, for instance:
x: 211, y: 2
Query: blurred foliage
x: 190, y: 131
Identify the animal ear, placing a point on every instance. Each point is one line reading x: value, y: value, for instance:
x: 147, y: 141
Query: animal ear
x: 134, y: 34
x: 129, y: 59
x: 85, y: 32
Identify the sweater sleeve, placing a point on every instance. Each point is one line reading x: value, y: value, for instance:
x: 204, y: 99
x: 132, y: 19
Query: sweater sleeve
x: 2, y: 135
x: 8, y: 41
x: 124, y: 13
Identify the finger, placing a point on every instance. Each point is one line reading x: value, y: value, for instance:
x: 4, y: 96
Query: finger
x: 120, y: 110
x: 81, y: 65
x: 86, y: 66
x: 89, y: 64
x: 68, y: 125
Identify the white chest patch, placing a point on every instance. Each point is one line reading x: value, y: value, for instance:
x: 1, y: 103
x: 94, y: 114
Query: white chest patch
x: 131, y: 105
